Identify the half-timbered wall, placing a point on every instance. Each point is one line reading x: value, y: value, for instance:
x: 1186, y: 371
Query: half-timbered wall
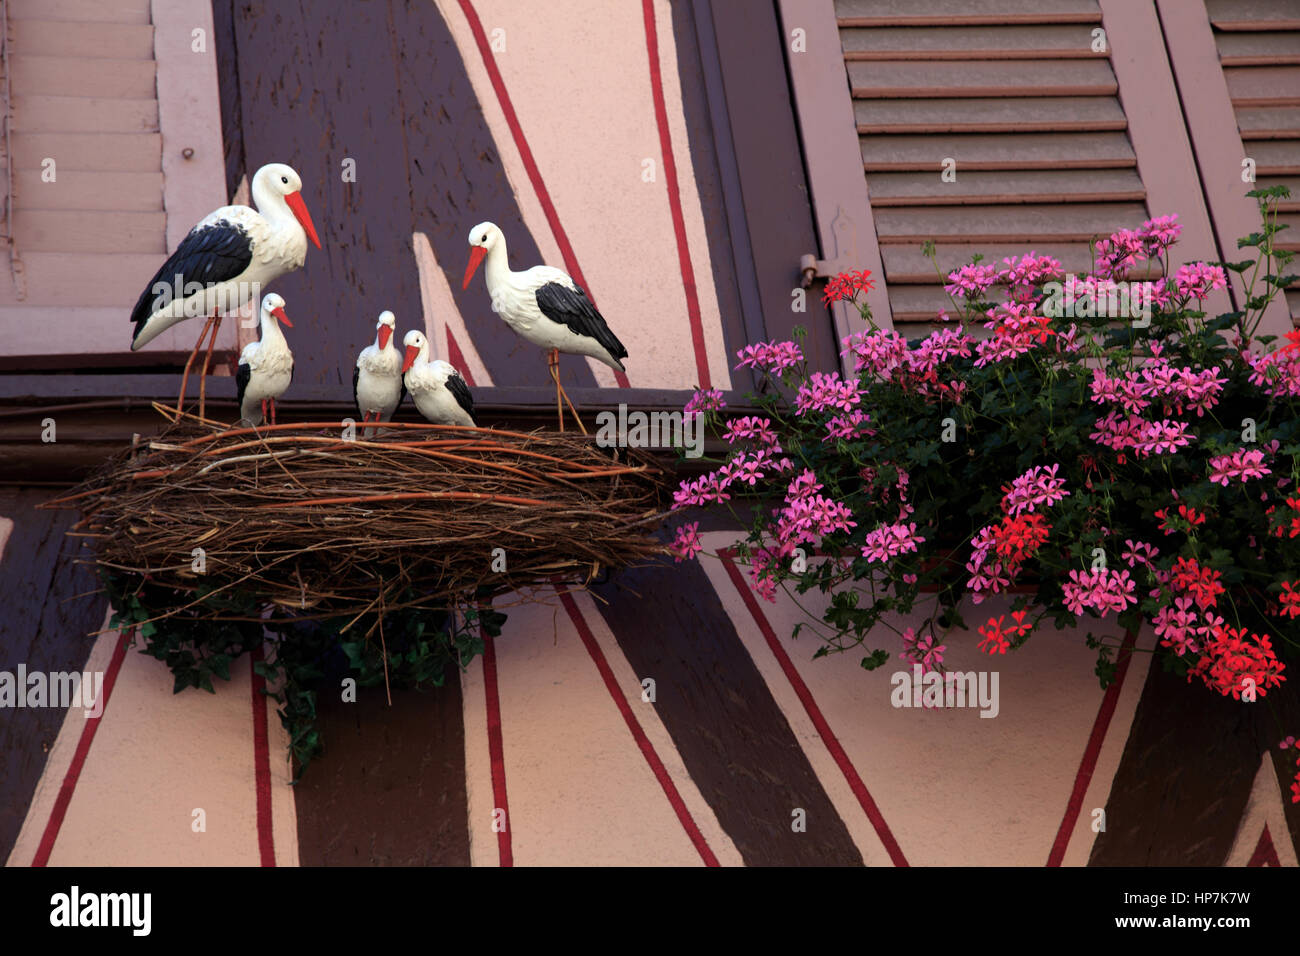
x: 744, y: 730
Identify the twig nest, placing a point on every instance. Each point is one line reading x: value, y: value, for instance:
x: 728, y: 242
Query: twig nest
x: 415, y: 516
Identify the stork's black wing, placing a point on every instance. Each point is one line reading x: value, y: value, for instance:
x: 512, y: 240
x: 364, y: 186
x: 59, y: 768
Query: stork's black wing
x: 356, y: 399
x: 572, y: 308
x: 208, y: 255
x: 243, y: 375
x: 460, y: 391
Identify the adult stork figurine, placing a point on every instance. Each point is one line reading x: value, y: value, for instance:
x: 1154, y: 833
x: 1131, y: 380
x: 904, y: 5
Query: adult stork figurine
x: 265, y: 366
x: 438, y: 390
x: 544, y: 306
x: 377, y: 380
x: 224, y: 262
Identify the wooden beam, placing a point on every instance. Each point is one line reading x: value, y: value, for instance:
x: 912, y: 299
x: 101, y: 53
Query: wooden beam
x: 1157, y: 131
x: 1219, y: 151
x: 841, y: 201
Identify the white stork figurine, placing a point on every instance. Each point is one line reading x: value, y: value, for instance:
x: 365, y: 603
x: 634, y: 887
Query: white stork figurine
x: 265, y: 366
x: 377, y: 379
x: 226, y: 259
x: 544, y: 306
x: 438, y: 390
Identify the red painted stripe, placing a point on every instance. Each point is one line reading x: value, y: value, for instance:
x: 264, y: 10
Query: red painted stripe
x: 638, y: 734
x: 261, y: 762
x: 1092, y: 752
x: 674, y: 196
x: 814, y: 713
x: 526, y: 154
x: 496, y: 751
x: 1265, y: 853
x: 60, y: 809
x: 458, y: 359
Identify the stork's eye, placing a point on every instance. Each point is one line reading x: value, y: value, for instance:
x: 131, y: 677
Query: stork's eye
x: 285, y: 180
x: 483, y: 238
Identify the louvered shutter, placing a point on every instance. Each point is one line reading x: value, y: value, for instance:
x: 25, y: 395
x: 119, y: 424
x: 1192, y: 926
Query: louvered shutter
x: 1259, y: 50
x: 1013, y: 93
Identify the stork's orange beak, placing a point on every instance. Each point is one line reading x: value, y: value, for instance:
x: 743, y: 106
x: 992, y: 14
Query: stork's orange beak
x: 385, y: 333
x: 476, y: 254
x: 279, y: 314
x: 299, y: 210
x: 412, y: 353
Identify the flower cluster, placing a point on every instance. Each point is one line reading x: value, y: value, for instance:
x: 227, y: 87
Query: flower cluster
x: 847, y: 286
x: 774, y: 357
x: 1039, y: 487
x: 1235, y: 663
x: 1024, y: 442
x: 826, y: 392
x: 1102, y: 590
x: 891, y: 540
x: 705, y: 400
x: 924, y: 649
x: 1197, y: 280
x: 1242, y: 463
x: 998, y: 638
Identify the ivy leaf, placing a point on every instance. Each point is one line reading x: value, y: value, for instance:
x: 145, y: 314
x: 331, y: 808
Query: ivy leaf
x: 873, y: 660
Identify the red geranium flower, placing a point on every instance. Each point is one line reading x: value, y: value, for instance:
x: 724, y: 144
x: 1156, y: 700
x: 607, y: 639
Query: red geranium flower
x: 848, y: 285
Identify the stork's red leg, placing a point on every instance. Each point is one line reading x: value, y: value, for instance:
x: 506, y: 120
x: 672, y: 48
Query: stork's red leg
x: 553, y: 365
x: 273, y: 411
x: 185, y: 377
x: 263, y: 411
x: 207, y: 359
x: 573, y: 410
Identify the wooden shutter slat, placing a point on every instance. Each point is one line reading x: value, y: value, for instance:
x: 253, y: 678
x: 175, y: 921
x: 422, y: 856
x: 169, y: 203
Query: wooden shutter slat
x: 905, y: 265
x: 1291, y: 182
x: 990, y: 115
x: 880, y: 13
x: 1021, y: 186
x: 103, y: 279
x: 1290, y: 239
x: 1275, y: 158
x: 1259, y: 49
x: 121, y: 41
x: 57, y: 230
x: 1253, y: 15
x: 1263, y: 86
x: 71, y: 76
x: 89, y: 151
x: 1008, y: 224
x: 81, y: 11
x: 968, y: 43
x: 91, y: 189
x: 997, y: 151
x: 1276, y: 123
x: 890, y: 79
x: 89, y: 114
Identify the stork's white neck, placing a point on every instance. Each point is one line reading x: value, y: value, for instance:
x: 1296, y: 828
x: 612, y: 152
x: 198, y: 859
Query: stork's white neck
x: 270, y: 203
x: 270, y: 332
x: 497, y: 267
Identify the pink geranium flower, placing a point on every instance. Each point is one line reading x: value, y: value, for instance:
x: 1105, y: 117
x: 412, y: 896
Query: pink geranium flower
x: 1242, y: 463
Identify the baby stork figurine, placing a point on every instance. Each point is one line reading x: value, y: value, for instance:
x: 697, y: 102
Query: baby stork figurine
x: 265, y: 366
x: 377, y: 380
x: 436, y: 387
